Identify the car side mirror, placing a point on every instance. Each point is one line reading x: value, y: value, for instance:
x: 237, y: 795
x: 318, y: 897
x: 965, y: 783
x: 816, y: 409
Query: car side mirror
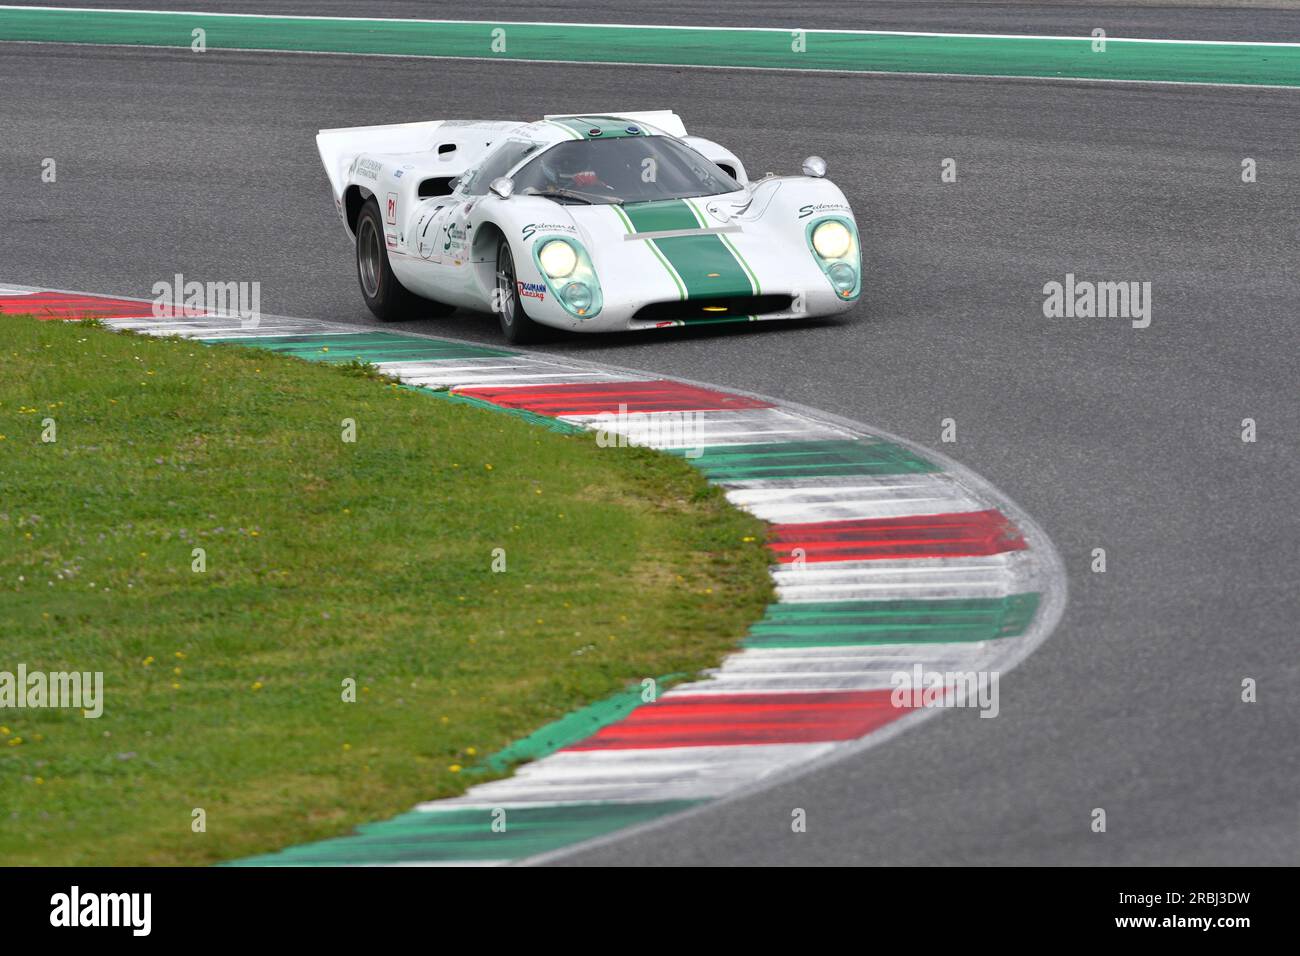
x: 503, y: 187
x: 814, y: 166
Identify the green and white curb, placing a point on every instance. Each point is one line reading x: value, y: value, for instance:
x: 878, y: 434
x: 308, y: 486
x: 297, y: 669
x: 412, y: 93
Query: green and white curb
x: 1117, y: 59
x: 887, y: 558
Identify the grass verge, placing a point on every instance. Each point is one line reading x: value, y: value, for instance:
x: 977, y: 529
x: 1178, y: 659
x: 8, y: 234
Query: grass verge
x: 325, y: 560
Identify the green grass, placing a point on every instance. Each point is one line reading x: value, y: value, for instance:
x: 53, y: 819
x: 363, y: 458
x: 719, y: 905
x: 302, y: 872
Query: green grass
x: 325, y: 560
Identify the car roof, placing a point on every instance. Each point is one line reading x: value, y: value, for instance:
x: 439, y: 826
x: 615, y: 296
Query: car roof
x: 600, y: 127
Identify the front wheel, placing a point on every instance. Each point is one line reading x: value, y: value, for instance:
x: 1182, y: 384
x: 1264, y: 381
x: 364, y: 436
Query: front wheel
x: 516, y: 326
x: 387, y: 298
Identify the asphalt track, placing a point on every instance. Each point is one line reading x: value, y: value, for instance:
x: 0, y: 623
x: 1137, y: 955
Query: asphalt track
x: 1110, y: 436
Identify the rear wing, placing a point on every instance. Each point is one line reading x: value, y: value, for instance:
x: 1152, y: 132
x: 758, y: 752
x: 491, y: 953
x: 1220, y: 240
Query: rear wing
x: 452, y: 145
x: 340, y: 147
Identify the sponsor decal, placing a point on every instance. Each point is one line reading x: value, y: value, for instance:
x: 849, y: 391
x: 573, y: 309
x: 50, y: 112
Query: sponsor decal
x: 806, y: 211
x: 455, y: 238
x: 533, y: 228
x: 397, y: 173
x: 428, y: 247
x: 369, y: 168
x: 532, y: 290
x: 390, y: 215
x: 390, y: 240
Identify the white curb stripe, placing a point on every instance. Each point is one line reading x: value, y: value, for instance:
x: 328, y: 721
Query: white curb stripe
x: 709, y: 428
x: 830, y: 668
x: 491, y: 371
x: 666, y: 773
x: 885, y: 497
x: 996, y: 575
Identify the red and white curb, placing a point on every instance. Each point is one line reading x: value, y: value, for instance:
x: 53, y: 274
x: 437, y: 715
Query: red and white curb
x: 887, y: 557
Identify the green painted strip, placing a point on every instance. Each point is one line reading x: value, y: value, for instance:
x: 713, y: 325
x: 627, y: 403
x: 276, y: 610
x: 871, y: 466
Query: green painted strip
x: 744, y: 264
x: 700, y: 220
x: 373, y: 347
x: 568, y: 129
x: 627, y: 223
x: 661, y: 215
x: 577, y: 127
x: 571, y: 728
x: 672, y: 273
x: 705, y: 266
x: 609, y: 127
x: 1122, y: 59
x: 467, y: 834
x: 807, y: 459
x: 857, y: 623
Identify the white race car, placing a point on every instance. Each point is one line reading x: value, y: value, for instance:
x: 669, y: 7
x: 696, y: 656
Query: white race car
x: 588, y: 223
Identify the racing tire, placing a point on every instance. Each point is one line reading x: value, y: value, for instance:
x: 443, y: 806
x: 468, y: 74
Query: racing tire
x: 516, y: 326
x: 387, y: 298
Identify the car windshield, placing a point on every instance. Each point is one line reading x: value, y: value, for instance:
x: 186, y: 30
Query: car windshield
x: 622, y: 170
x: 498, y: 162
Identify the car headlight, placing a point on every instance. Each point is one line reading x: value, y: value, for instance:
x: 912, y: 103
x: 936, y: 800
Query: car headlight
x: 843, y: 277
x: 558, y: 259
x: 577, y: 295
x: 832, y: 240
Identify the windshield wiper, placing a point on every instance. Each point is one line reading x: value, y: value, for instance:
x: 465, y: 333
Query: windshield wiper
x: 580, y: 197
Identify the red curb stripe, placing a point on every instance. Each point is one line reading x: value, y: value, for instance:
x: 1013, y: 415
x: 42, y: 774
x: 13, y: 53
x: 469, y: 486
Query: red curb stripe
x: 965, y: 534
x: 721, y: 720
x: 58, y: 305
x: 592, y: 399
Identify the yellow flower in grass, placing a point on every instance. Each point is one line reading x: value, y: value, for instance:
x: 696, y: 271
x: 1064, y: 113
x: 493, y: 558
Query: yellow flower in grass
x: 257, y: 685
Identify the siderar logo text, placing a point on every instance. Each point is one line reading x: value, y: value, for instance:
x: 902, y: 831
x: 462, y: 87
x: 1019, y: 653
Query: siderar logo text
x: 532, y: 290
x: 806, y: 211
x: 533, y: 228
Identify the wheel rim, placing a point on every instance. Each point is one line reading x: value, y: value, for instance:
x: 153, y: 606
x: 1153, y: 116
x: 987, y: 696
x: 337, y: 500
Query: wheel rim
x: 368, y: 261
x: 506, y: 285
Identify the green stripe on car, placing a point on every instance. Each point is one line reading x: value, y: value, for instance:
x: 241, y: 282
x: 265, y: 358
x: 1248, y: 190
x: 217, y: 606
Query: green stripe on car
x: 706, y: 265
